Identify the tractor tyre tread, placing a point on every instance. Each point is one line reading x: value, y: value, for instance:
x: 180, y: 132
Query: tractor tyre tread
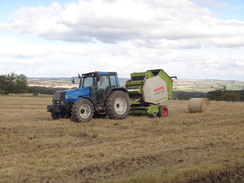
x: 75, y: 110
x: 110, y: 105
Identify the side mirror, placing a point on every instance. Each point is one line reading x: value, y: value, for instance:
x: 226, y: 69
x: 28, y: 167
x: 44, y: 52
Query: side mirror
x: 73, y: 80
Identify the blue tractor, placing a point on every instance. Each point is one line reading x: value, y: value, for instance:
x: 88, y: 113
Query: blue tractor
x: 99, y: 94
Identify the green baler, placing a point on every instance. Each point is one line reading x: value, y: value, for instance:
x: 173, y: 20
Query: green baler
x: 147, y: 90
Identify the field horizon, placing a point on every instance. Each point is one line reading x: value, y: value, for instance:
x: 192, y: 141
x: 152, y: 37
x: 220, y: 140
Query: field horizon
x: 202, y: 85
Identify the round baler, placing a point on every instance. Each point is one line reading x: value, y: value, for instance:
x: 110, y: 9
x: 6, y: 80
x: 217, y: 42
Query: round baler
x: 147, y: 92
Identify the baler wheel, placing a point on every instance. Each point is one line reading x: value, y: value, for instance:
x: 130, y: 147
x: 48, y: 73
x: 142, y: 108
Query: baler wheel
x: 117, y: 105
x: 163, y: 111
x: 82, y: 110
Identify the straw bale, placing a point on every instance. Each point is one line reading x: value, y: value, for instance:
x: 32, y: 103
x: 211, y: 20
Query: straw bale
x: 201, y: 105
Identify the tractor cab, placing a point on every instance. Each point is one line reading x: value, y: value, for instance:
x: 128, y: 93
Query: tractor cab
x: 99, y: 84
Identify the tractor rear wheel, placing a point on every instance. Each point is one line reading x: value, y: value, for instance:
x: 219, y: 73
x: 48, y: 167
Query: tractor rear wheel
x: 117, y: 105
x: 82, y: 110
x: 163, y: 111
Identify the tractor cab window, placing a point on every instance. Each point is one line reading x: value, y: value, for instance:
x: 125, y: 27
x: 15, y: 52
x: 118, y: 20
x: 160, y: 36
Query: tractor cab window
x: 113, y: 81
x: 88, y: 81
x: 103, y: 82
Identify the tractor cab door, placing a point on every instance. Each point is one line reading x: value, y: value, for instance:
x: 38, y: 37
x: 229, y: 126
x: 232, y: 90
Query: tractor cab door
x: 89, y: 82
x: 103, y: 84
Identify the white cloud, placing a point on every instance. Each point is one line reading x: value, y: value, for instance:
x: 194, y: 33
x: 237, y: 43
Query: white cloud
x: 67, y: 60
x: 115, y: 21
x: 22, y: 60
x: 54, y: 70
x: 214, y: 3
x: 124, y: 36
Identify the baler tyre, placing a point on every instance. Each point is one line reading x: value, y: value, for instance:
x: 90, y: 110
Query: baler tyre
x: 117, y: 105
x: 55, y: 115
x: 82, y: 110
x: 163, y: 111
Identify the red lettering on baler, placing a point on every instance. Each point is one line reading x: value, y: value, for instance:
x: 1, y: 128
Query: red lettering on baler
x: 158, y: 89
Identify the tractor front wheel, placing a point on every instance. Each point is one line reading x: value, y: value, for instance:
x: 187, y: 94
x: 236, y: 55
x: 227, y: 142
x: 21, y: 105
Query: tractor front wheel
x: 117, y: 105
x: 163, y: 111
x: 82, y: 110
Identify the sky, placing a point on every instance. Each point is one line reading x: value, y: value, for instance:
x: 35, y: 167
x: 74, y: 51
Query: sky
x: 190, y: 39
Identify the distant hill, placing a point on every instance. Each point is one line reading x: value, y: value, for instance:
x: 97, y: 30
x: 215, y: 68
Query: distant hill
x: 206, y: 85
x: 179, y: 84
x: 58, y: 82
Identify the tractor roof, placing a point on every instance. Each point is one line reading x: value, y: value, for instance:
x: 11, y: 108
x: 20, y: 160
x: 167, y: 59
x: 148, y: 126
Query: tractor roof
x: 98, y: 73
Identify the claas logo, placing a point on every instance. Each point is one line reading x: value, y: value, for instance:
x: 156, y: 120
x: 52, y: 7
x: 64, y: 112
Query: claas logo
x: 158, y: 89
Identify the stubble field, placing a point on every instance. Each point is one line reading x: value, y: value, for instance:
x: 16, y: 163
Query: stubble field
x: 183, y: 147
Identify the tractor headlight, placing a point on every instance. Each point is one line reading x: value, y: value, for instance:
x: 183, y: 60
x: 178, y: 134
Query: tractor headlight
x: 56, y: 102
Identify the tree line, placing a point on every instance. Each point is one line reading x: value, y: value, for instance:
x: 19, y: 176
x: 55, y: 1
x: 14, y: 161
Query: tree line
x: 217, y: 95
x: 14, y: 83
x: 226, y: 95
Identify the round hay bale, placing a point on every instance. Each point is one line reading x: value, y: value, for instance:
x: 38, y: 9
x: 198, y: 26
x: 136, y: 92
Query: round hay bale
x: 198, y: 105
